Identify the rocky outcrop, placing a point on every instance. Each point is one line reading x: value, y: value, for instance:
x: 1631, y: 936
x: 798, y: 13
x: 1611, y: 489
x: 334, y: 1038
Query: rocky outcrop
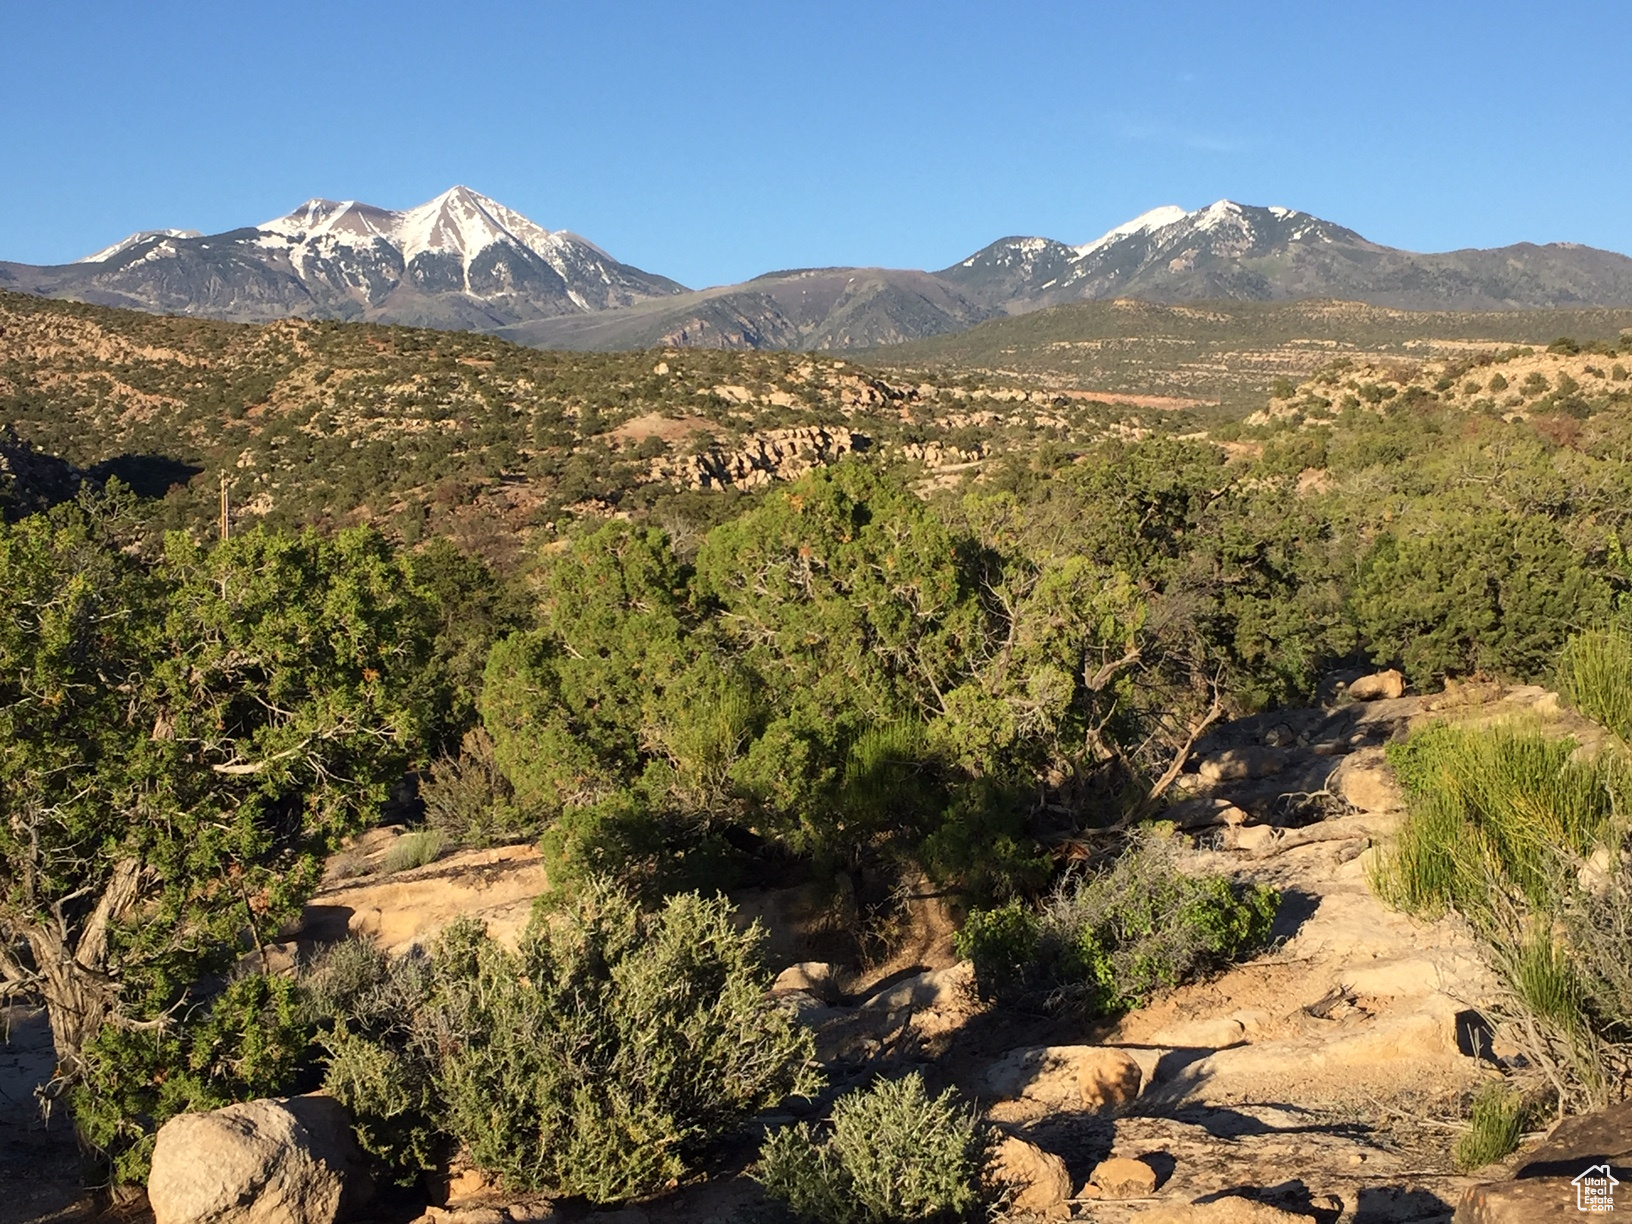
x: 1379, y: 686
x: 288, y: 1161
x: 1230, y: 1210
x: 778, y: 454
x: 1551, y: 1180
x: 1036, y: 1182
x: 942, y: 454
x: 1122, y: 1177
x: 1093, y: 1078
x: 497, y: 887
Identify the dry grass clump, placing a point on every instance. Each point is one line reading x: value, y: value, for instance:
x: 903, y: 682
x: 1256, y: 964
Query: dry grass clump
x: 1526, y: 839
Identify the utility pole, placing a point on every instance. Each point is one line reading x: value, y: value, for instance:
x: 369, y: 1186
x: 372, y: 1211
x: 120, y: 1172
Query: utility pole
x: 226, y: 507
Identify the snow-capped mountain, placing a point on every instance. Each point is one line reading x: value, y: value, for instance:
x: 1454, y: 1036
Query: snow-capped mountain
x: 123, y: 245
x: 465, y: 261
x: 460, y: 260
x: 1209, y: 252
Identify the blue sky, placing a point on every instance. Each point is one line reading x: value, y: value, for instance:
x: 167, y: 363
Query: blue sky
x: 713, y: 141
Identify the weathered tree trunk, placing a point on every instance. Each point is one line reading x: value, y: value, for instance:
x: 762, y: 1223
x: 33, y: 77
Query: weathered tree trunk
x: 71, y: 974
x: 78, y: 999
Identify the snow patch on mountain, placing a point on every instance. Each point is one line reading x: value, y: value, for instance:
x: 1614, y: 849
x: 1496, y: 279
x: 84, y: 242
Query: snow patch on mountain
x: 459, y: 222
x: 141, y: 236
x: 1144, y: 223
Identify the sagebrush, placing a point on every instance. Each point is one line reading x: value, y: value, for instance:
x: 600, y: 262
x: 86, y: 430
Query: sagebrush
x: 1107, y: 941
x: 890, y: 1154
x: 605, y: 1057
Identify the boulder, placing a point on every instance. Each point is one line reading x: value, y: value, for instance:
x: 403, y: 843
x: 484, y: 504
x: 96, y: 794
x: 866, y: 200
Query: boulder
x: 1601, y: 1137
x: 1254, y: 839
x: 1219, y: 1034
x: 1121, y: 1177
x: 934, y: 988
x: 465, y: 1215
x: 290, y: 1161
x: 1068, y: 1077
x: 1535, y: 1200
x: 1231, y: 1210
x: 1240, y: 764
x: 1365, y: 781
x: 1096, y: 1078
x: 1379, y: 686
x: 461, y: 1184
x: 1037, y: 1181
x: 1543, y: 1187
x: 818, y: 979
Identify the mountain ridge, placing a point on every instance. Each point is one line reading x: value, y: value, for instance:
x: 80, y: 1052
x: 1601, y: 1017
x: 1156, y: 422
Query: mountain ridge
x: 460, y: 260
x: 465, y: 261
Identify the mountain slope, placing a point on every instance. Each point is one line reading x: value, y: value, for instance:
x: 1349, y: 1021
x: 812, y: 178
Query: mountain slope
x: 810, y: 308
x: 460, y: 260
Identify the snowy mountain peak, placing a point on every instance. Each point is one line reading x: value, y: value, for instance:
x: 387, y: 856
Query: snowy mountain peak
x: 124, y: 244
x: 1144, y: 223
x: 460, y: 221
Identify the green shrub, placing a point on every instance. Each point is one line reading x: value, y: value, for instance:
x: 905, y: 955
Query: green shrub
x: 1496, y: 1123
x: 469, y: 800
x: 1466, y: 591
x: 413, y: 850
x: 1108, y: 941
x: 250, y: 1041
x: 1001, y: 943
x: 1504, y: 826
x: 604, y: 1058
x: 893, y: 1154
x: 380, y: 1055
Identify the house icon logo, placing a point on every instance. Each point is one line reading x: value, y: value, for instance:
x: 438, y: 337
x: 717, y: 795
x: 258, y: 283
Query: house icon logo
x: 1595, y: 1189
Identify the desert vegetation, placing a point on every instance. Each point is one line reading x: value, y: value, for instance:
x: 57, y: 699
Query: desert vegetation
x: 989, y: 679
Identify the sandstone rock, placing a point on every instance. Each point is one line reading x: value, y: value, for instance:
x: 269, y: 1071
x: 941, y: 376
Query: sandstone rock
x: 1108, y: 1080
x: 818, y: 979
x: 1239, y: 764
x: 1602, y: 1137
x: 1232, y: 1210
x: 1595, y: 875
x: 291, y: 1161
x: 1534, y: 1200
x: 1280, y: 735
x: 1123, y: 1178
x: 465, y: 1215
x: 933, y: 988
x: 1365, y: 781
x: 1068, y: 1077
x: 496, y: 886
x: 1038, y: 1181
x: 1407, y: 977
x: 1378, y: 686
x: 1254, y: 839
x: 461, y: 1184
x: 1219, y: 1034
